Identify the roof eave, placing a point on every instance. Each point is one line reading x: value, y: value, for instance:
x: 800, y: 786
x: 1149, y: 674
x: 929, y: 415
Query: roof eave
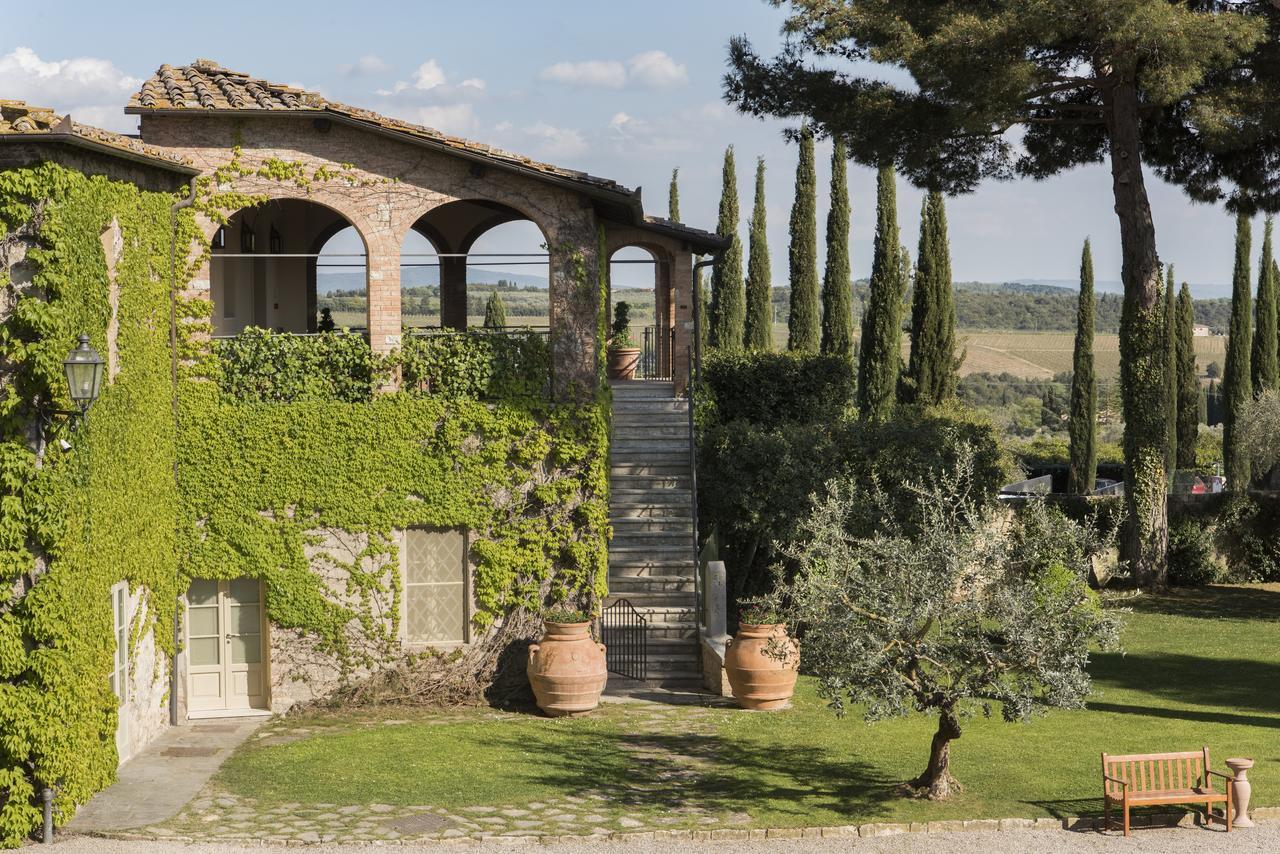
x: 631, y: 198
x: 101, y: 148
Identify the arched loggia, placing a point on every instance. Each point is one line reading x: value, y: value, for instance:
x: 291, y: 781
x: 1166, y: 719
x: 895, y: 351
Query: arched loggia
x: 467, y: 234
x: 263, y: 270
x: 644, y: 270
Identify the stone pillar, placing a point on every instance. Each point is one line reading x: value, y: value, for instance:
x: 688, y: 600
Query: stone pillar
x: 575, y: 305
x: 662, y: 314
x: 715, y: 634
x: 682, y: 315
x: 383, y: 284
x: 453, y: 292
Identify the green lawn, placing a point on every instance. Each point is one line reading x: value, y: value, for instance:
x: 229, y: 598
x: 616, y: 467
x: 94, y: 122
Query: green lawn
x: 1199, y: 667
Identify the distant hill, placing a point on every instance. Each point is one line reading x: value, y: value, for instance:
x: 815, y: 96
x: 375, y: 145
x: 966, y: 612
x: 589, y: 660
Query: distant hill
x: 411, y: 277
x: 1200, y: 290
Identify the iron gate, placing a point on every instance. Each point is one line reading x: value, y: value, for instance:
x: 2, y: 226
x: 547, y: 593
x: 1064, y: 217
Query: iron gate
x: 623, y: 631
x: 652, y: 366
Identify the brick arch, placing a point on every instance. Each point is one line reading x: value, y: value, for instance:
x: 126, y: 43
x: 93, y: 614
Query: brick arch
x: 663, y: 290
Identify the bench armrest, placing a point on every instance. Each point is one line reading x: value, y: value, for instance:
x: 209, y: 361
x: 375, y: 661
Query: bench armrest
x: 1124, y: 784
x: 1227, y: 777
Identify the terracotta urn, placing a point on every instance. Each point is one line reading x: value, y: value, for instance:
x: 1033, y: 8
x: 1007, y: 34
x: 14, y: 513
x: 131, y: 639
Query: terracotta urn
x: 761, y: 680
x: 1241, y: 790
x: 623, y: 362
x: 567, y: 669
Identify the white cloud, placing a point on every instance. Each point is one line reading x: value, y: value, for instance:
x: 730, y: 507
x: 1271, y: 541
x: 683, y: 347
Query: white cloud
x: 92, y: 90
x: 431, y: 83
x: 550, y: 141
x: 366, y: 66
x: 656, y: 70
x: 620, y: 121
x: 603, y: 74
x: 457, y: 119
x: 653, y: 69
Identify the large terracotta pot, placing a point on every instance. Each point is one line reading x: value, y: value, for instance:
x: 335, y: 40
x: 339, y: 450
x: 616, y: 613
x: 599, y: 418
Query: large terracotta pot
x: 567, y: 670
x: 761, y: 681
x: 623, y: 362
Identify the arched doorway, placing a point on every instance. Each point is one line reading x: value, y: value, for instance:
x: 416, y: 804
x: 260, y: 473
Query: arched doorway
x: 640, y: 275
x: 270, y: 264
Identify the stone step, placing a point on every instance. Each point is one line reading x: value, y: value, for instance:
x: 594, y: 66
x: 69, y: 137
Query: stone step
x: 626, y: 432
x: 624, y: 585
x: 624, y: 526
x: 657, y: 600
x: 647, y: 467
x: 627, y: 511
x: 675, y: 484
x: 650, y: 569
x: 651, y: 407
x: 669, y: 451
x: 640, y: 462
x: 635, y: 387
x: 630, y: 554
x: 651, y: 418
x: 661, y: 616
x: 645, y: 539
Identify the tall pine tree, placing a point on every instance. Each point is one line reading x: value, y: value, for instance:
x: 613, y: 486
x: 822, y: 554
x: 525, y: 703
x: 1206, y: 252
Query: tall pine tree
x: 1082, y: 424
x: 1171, y: 372
x: 837, y: 284
x: 933, y: 367
x: 880, y: 350
x: 1266, y: 359
x: 1188, y: 382
x: 803, y: 332
x: 1237, y: 385
x: 759, y: 320
x: 727, y: 300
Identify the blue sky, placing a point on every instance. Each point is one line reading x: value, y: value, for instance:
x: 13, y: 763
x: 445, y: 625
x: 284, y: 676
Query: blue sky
x: 627, y: 91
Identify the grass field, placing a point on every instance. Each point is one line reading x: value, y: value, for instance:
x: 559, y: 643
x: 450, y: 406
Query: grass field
x: 1200, y: 667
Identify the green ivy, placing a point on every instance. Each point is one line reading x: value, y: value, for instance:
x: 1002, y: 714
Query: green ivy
x: 261, y: 365
x: 476, y: 364
x: 73, y: 524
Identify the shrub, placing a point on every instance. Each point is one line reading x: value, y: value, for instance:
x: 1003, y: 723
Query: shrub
x: 1249, y: 536
x: 1191, y: 555
x: 477, y: 365
x: 259, y: 365
x: 766, y: 388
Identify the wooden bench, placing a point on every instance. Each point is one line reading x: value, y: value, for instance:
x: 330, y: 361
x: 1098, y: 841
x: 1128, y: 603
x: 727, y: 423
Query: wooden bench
x: 1144, y: 779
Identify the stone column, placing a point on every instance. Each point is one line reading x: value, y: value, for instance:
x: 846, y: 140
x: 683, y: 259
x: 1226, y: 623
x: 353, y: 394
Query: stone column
x: 453, y: 292
x: 682, y: 315
x: 662, y: 314
x: 383, y: 284
x: 575, y: 305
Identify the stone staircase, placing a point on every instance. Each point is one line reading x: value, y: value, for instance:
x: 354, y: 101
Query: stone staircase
x: 651, y: 562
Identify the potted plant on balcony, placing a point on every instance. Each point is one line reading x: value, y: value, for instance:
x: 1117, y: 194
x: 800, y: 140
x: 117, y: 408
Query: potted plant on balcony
x: 624, y: 355
x: 567, y: 668
x: 761, y: 660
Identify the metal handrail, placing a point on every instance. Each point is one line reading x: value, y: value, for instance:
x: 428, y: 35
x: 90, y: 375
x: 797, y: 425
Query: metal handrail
x: 693, y: 494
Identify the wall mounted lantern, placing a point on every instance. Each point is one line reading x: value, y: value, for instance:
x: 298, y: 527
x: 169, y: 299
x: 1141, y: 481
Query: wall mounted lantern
x: 220, y: 238
x: 83, y: 367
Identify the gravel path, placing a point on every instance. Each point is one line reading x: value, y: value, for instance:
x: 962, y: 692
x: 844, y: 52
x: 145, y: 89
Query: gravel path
x: 1263, y: 838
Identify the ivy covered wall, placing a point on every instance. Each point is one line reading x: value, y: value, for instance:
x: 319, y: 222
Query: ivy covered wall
x: 74, y: 523
x: 257, y: 487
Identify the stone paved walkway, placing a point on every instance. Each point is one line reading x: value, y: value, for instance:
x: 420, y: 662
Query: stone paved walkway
x: 1264, y: 839
x: 154, y: 785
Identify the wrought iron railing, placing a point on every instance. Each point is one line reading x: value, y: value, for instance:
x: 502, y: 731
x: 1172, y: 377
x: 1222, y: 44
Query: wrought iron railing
x: 652, y: 365
x: 624, y: 633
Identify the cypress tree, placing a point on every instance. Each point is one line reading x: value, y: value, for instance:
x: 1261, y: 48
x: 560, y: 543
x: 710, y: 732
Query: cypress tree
x: 673, y: 196
x: 880, y: 350
x: 759, y: 321
x: 1171, y: 373
x: 1266, y: 359
x: 933, y: 367
x: 495, y: 312
x: 803, y: 332
x: 1188, y: 383
x: 837, y: 284
x: 1237, y: 386
x: 1082, y: 425
x: 727, y: 308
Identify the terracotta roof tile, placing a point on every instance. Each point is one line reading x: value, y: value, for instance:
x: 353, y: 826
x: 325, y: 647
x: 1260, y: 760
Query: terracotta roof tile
x: 18, y: 118
x: 206, y: 85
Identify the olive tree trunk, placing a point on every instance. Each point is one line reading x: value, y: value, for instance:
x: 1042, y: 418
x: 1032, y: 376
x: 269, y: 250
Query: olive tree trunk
x: 936, y: 781
x: 1142, y: 356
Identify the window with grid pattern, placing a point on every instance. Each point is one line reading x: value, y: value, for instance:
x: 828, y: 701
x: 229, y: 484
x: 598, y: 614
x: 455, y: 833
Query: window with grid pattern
x: 120, y: 633
x: 435, y: 586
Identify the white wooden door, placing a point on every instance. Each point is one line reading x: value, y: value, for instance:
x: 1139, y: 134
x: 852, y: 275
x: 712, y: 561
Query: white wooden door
x: 225, y: 646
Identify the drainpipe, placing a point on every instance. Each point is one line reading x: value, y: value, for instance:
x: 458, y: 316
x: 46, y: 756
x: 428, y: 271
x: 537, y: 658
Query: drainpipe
x: 173, y: 402
x: 46, y: 795
x: 695, y: 377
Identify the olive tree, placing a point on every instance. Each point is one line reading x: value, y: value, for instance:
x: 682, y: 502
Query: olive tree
x: 979, y: 89
x: 953, y: 605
